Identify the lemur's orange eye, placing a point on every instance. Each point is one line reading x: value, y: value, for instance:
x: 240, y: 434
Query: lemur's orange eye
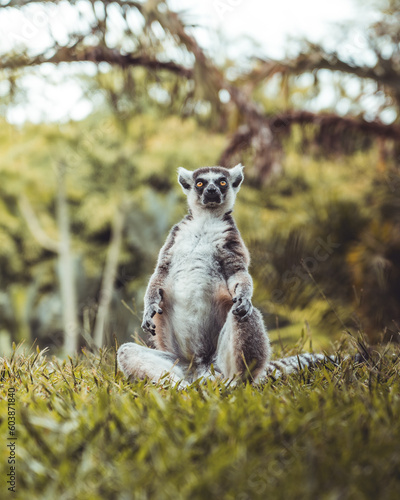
x: 222, y: 183
x: 199, y: 184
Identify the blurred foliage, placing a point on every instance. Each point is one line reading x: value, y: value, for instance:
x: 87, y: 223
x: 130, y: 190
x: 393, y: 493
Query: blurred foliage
x: 340, y: 216
x: 374, y: 260
x: 84, y: 432
x: 310, y: 222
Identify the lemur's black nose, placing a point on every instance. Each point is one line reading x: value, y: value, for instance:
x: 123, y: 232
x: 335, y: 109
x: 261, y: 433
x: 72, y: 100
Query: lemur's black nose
x: 212, y: 191
x: 212, y: 195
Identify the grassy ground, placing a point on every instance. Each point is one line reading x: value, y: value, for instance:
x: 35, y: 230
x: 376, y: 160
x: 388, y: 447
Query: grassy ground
x: 84, y: 432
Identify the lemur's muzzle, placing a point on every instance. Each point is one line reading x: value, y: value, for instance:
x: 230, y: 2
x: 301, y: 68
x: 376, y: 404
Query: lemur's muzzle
x: 212, y: 195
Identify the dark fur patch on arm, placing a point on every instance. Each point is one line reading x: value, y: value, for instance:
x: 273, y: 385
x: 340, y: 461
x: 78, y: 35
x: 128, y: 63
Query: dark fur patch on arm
x: 171, y: 238
x: 234, y: 257
x: 164, y: 258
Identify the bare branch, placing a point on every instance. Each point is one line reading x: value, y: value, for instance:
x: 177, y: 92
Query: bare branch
x: 316, y: 59
x: 373, y: 128
x: 23, y: 3
x: 334, y: 132
x: 95, y: 54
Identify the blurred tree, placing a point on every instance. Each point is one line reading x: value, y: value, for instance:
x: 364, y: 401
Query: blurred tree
x: 62, y: 248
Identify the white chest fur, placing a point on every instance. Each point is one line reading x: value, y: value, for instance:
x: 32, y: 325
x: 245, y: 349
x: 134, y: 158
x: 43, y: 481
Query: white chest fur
x: 197, y: 245
x: 195, y: 276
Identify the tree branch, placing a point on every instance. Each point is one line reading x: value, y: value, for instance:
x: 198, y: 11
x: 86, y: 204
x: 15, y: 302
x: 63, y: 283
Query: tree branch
x: 317, y: 59
x: 373, y: 128
x: 95, y: 54
x: 17, y: 4
x: 333, y: 129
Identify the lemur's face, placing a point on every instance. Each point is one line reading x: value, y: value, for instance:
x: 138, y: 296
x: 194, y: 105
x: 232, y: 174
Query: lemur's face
x: 211, y: 188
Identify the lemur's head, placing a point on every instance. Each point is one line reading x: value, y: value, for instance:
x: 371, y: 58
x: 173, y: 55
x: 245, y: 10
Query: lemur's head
x: 211, y: 188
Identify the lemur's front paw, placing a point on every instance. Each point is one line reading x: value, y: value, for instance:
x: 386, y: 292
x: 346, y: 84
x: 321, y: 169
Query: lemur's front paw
x: 148, y: 324
x: 242, y: 307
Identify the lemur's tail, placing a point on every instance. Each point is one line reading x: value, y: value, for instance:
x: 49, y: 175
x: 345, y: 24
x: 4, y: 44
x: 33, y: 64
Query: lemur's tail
x: 291, y: 364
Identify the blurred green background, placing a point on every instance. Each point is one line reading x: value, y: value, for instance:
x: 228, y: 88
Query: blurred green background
x: 88, y: 197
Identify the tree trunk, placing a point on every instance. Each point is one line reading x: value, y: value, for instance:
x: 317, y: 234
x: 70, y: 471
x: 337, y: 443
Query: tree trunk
x: 66, y: 270
x: 109, y: 275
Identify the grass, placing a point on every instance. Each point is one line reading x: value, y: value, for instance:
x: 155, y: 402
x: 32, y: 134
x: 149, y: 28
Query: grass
x: 84, y: 432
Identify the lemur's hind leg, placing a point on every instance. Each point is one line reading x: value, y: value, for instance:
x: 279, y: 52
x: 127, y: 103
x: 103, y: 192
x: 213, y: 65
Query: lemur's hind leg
x: 143, y: 362
x: 243, y: 347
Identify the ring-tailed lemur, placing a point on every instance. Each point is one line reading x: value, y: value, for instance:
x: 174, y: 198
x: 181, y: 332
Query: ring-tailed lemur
x: 198, y: 301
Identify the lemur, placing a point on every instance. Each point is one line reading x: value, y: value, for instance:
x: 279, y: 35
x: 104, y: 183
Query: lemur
x: 198, y: 303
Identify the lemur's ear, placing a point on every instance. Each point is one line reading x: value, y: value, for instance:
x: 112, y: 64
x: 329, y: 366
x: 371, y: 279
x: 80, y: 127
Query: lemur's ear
x: 237, y: 176
x: 185, y: 179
